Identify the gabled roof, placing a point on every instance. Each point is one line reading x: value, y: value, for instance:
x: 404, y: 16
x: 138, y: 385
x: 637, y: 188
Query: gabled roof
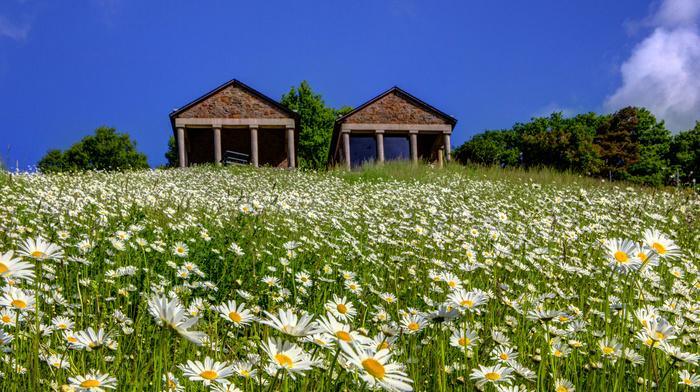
x: 394, y: 90
x: 236, y: 83
x: 405, y: 95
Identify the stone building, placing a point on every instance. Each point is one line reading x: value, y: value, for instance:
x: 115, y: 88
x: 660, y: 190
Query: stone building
x: 236, y: 118
x: 394, y: 125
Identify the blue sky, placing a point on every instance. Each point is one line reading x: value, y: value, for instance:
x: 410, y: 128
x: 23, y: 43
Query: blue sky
x: 68, y: 67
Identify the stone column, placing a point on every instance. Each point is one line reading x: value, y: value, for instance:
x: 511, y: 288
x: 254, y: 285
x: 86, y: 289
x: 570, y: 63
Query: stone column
x: 446, y: 142
x: 346, y: 148
x: 439, y: 156
x: 380, y: 145
x: 217, y: 144
x: 291, y: 158
x: 413, y: 140
x: 254, y: 144
x: 181, y: 146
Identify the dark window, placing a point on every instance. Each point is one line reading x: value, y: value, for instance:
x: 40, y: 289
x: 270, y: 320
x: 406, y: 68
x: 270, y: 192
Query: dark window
x: 363, y: 148
x: 396, y: 147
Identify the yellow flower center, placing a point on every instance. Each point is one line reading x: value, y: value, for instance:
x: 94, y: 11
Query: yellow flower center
x: 235, y: 317
x: 659, y: 335
x: 413, y: 326
x: 89, y: 384
x: 452, y: 284
x: 19, y: 303
x: 492, y: 376
x: 562, y: 389
x: 6, y: 319
x: 643, y: 256
x: 245, y: 373
x: 464, y: 342
x: 374, y: 368
x: 72, y: 339
x: 342, y: 308
x: 688, y: 382
x: 353, y: 287
x: 659, y: 248
x: 382, y: 346
x: 621, y: 256
x: 389, y: 299
x: 607, y: 350
x: 3, y: 268
x: 467, y: 303
x: 284, y: 360
x: 62, y: 326
x: 342, y: 335
x: 56, y: 364
x: 562, y: 319
x: 504, y: 356
x: 180, y: 250
x: 38, y: 254
x: 208, y: 375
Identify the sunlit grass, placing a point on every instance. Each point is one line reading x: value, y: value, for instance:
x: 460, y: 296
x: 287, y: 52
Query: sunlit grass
x: 421, y: 261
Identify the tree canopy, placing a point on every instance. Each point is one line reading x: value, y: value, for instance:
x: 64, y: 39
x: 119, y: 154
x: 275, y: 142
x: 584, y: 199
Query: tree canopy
x: 105, y: 150
x: 630, y: 145
x: 317, y: 122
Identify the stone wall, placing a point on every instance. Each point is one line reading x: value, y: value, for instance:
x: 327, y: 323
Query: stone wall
x: 393, y: 109
x: 232, y: 102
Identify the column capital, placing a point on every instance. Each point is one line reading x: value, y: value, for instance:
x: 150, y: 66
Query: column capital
x: 344, y: 130
x: 378, y: 131
x: 446, y: 132
x: 216, y: 126
x: 290, y: 126
x: 251, y: 126
x: 413, y: 131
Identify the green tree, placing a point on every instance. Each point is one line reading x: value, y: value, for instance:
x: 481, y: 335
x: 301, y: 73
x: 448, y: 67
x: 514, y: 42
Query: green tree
x: 489, y: 148
x: 172, y: 154
x: 684, y: 154
x: 615, y: 145
x: 52, y: 162
x: 317, y: 122
x: 655, y: 142
x: 105, y: 150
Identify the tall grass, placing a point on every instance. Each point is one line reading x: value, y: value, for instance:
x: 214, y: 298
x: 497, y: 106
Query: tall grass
x: 522, y: 242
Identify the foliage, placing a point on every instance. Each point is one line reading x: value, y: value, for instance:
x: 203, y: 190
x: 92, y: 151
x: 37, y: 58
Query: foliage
x: 631, y: 145
x: 172, y: 154
x: 317, y: 122
x: 105, y: 150
x: 685, y: 154
x: 655, y: 142
x: 615, y: 144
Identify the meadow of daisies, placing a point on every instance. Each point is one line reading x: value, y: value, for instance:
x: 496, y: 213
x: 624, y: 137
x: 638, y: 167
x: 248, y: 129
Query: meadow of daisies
x: 454, y: 279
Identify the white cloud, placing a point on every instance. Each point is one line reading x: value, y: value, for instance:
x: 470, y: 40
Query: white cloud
x: 662, y: 72
x: 12, y: 30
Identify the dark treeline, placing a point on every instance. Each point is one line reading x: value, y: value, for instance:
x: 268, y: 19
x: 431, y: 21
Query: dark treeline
x: 630, y: 145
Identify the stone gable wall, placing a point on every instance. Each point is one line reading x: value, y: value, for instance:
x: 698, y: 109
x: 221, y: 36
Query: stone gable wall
x: 393, y: 109
x: 232, y: 102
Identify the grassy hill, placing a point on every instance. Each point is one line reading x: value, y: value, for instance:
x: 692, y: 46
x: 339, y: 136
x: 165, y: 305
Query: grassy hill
x: 392, y: 277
